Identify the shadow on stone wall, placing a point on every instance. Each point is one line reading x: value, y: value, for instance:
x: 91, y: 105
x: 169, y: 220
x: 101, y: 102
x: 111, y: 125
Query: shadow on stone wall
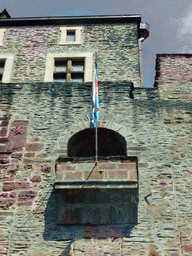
x: 94, y: 214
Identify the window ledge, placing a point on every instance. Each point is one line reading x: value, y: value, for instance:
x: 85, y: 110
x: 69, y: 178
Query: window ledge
x: 67, y: 43
x: 95, y: 184
x: 118, y: 173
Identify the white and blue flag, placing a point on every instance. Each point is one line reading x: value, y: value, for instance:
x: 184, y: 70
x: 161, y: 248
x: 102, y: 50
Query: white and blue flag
x: 95, y: 100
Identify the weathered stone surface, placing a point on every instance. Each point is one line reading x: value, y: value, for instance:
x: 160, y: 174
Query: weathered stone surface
x: 15, y: 185
x: 73, y: 175
x: 4, y: 139
x: 17, y: 138
x: 33, y: 43
x: 154, y: 122
x: 17, y: 155
x: 95, y: 175
x: 44, y: 168
x: 29, y: 154
x: 4, y: 123
x: 26, y: 194
x: 34, y: 146
x: 35, y: 177
x: 19, y: 123
x: 173, y: 67
x: 3, y: 131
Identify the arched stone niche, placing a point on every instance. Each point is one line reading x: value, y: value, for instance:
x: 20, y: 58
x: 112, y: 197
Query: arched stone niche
x: 110, y: 143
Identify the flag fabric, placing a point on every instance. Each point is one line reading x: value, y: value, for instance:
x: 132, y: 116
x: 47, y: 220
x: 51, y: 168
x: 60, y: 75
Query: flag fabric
x: 95, y: 100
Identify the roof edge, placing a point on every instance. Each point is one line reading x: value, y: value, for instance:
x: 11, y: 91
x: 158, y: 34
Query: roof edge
x: 4, y: 14
x: 59, y: 20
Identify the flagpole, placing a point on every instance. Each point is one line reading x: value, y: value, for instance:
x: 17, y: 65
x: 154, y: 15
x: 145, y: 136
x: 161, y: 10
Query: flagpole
x: 96, y: 148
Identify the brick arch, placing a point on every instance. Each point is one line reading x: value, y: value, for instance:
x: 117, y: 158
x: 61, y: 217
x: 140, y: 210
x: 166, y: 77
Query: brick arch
x: 110, y: 143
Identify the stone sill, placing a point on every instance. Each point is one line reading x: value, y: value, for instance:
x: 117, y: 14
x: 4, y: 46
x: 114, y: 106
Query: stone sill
x: 94, y: 184
x: 109, y: 172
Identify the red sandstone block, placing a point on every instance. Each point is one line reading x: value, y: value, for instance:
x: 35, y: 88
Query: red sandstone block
x: 12, y: 194
x: 73, y: 175
x: 60, y: 167
x: 101, y: 232
x: 3, y: 148
x: 118, y: 175
x: 4, y: 161
x: 17, y: 138
x: 4, y: 195
x: 7, y: 200
x: 107, y: 165
x: 3, y: 131
x: 4, y: 100
x: 17, y: 123
x: 4, y: 123
x: 35, y: 177
x: 7, y: 178
x: 4, y: 116
x: 15, y: 185
x: 26, y: 194
x: 59, y: 174
x: 29, y: 154
x: 4, y: 140
x: 34, y: 146
x: 4, y: 155
x: 8, y: 194
x: 40, y: 154
x: 17, y: 155
x: 4, y: 166
x: 13, y: 161
x: 70, y: 166
x: 25, y: 203
x: 95, y: 175
x: 127, y: 166
x: 45, y: 168
x: 133, y: 175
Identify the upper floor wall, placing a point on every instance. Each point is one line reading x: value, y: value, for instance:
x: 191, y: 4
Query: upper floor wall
x: 63, y: 49
x: 173, y: 67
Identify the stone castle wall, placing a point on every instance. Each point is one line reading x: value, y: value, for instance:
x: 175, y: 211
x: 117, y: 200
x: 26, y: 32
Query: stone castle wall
x: 37, y: 120
x: 116, y: 46
x: 173, y: 67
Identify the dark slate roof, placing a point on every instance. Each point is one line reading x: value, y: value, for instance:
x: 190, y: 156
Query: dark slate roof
x: 68, y: 20
x: 4, y: 15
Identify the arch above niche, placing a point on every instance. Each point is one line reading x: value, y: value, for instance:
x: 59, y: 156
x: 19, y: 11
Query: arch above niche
x: 110, y: 143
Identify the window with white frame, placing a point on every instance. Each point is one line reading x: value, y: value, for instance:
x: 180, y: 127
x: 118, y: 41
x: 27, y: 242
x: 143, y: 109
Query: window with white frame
x: 69, y: 67
x: 70, y: 35
x: 69, y: 70
x: 2, y: 31
x: 6, y: 62
x: 2, y: 65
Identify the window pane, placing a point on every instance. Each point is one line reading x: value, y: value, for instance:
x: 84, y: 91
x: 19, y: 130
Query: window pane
x: 1, y: 67
x: 1, y: 70
x: 61, y: 65
x: 60, y: 77
x: 78, y: 65
x: 77, y: 77
x: 70, y: 36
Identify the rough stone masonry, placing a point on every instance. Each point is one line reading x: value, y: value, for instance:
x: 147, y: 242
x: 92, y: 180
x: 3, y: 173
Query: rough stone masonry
x: 150, y: 185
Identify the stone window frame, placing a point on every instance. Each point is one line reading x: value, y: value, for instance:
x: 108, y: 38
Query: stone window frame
x: 67, y: 69
x: 2, y: 32
x: 50, y: 63
x: 8, y: 58
x: 64, y: 31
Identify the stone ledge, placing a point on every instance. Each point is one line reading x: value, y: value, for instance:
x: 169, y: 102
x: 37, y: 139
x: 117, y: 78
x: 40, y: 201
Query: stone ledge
x: 5, y: 212
x: 95, y: 184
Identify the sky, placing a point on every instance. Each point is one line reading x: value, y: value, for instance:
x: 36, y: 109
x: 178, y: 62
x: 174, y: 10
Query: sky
x: 170, y: 21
